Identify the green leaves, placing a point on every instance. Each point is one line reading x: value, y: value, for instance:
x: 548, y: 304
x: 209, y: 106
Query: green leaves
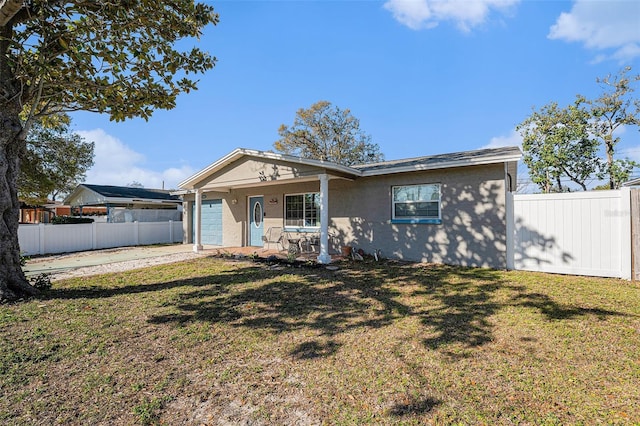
x: 556, y: 144
x: 55, y: 160
x: 561, y: 143
x: 615, y: 108
x: 123, y: 58
x: 325, y: 132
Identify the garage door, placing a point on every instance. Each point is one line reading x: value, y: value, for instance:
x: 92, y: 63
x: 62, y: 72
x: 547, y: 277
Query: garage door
x: 211, y: 222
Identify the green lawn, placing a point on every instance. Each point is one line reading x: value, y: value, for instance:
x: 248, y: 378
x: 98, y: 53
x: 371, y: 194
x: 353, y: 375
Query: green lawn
x: 213, y: 341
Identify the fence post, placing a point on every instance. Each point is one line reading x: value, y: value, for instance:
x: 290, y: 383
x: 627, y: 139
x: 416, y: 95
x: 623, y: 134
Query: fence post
x: 625, y: 233
x: 94, y: 235
x: 136, y: 233
x: 171, y: 231
x: 41, y: 238
x: 635, y: 234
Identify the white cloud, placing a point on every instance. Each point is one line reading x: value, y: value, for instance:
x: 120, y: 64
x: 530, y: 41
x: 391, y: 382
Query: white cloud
x: 602, y: 25
x: 425, y: 14
x: 117, y: 164
x: 512, y: 139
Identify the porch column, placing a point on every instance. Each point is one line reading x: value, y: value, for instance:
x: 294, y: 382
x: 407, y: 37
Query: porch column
x: 324, y: 256
x: 197, y: 225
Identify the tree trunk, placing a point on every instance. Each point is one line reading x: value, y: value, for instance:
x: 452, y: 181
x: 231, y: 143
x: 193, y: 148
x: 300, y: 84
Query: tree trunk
x: 608, y: 142
x: 13, y: 283
x: 559, y: 184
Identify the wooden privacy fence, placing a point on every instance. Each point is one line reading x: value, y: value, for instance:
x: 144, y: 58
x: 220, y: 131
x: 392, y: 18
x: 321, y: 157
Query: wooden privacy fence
x: 581, y: 233
x: 50, y: 239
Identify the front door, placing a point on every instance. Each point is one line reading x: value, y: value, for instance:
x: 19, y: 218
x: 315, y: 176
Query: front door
x: 256, y: 221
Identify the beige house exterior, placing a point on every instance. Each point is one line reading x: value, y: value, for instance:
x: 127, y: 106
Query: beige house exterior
x: 447, y: 208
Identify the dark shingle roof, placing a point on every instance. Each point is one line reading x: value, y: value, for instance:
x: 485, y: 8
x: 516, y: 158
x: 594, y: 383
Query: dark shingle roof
x: 110, y: 191
x: 432, y: 161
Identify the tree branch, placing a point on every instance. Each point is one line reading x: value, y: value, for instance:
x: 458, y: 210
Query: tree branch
x: 8, y: 9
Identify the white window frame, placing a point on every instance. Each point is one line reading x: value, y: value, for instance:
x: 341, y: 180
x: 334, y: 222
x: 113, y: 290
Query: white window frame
x: 304, y: 227
x: 416, y: 219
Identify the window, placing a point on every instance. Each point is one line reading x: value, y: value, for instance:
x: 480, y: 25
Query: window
x: 416, y: 203
x: 302, y: 210
x: 257, y: 215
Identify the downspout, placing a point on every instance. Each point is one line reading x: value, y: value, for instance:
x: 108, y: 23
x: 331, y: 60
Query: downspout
x: 509, y: 221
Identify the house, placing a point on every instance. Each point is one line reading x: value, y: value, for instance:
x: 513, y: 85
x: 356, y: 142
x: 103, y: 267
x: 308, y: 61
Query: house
x: 45, y: 213
x: 448, y: 208
x: 632, y: 182
x: 127, y: 204
x: 34, y: 213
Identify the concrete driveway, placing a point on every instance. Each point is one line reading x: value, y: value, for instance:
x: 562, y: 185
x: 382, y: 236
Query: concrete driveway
x: 54, y: 264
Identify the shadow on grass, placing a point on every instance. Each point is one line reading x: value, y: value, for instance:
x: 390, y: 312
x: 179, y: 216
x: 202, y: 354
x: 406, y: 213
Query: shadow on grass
x: 454, y: 304
x: 214, y: 283
x: 417, y: 407
x: 315, y: 349
x: 284, y: 304
x: 463, y: 300
x: 557, y: 311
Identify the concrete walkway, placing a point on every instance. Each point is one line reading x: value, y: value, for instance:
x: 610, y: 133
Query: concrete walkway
x: 61, y: 263
x: 64, y: 262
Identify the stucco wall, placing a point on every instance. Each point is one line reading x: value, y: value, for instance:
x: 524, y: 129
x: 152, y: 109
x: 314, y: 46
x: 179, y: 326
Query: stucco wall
x: 472, y: 232
x: 473, y: 228
x: 252, y: 171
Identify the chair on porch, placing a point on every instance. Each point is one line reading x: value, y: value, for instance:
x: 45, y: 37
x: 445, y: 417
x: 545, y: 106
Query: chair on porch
x: 311, y: 243
x: 274, y: 235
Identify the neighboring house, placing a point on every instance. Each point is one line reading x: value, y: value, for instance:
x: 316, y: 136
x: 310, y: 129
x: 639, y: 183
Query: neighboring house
x: 35, y: 213
x: 61, y: 209
x: 632, y: 182
x: 45, y: 213
x: 127, y: 204
x: 448, y: 208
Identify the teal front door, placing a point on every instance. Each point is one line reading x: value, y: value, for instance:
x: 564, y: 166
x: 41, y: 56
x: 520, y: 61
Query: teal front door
x: 256, y: 221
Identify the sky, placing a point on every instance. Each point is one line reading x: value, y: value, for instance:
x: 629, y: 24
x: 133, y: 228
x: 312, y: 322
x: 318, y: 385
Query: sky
x: 424, y: 77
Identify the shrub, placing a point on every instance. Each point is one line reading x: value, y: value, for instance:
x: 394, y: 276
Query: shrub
x: 41, y: 281
x: 70, y: 220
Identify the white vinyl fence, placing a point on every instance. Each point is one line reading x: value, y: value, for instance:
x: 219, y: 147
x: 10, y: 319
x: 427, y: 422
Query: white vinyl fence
x: 50, y: 239
x: 581, y: 233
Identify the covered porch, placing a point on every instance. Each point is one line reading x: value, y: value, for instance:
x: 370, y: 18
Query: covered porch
x: 265, y: 200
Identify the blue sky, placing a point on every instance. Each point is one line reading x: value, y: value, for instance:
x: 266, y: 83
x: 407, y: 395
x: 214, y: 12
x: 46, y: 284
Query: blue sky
x: 423, y: 77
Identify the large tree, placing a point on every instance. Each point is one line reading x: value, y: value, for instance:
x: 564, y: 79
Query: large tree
x: 614, y: 108
x: 119, y: 57
x: 557, y: 144
x: 561, y: 143
x: 325, y: 132
x: 55, y: 160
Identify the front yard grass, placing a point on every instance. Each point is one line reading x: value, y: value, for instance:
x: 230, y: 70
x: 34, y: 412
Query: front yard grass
x: 215, y: 341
